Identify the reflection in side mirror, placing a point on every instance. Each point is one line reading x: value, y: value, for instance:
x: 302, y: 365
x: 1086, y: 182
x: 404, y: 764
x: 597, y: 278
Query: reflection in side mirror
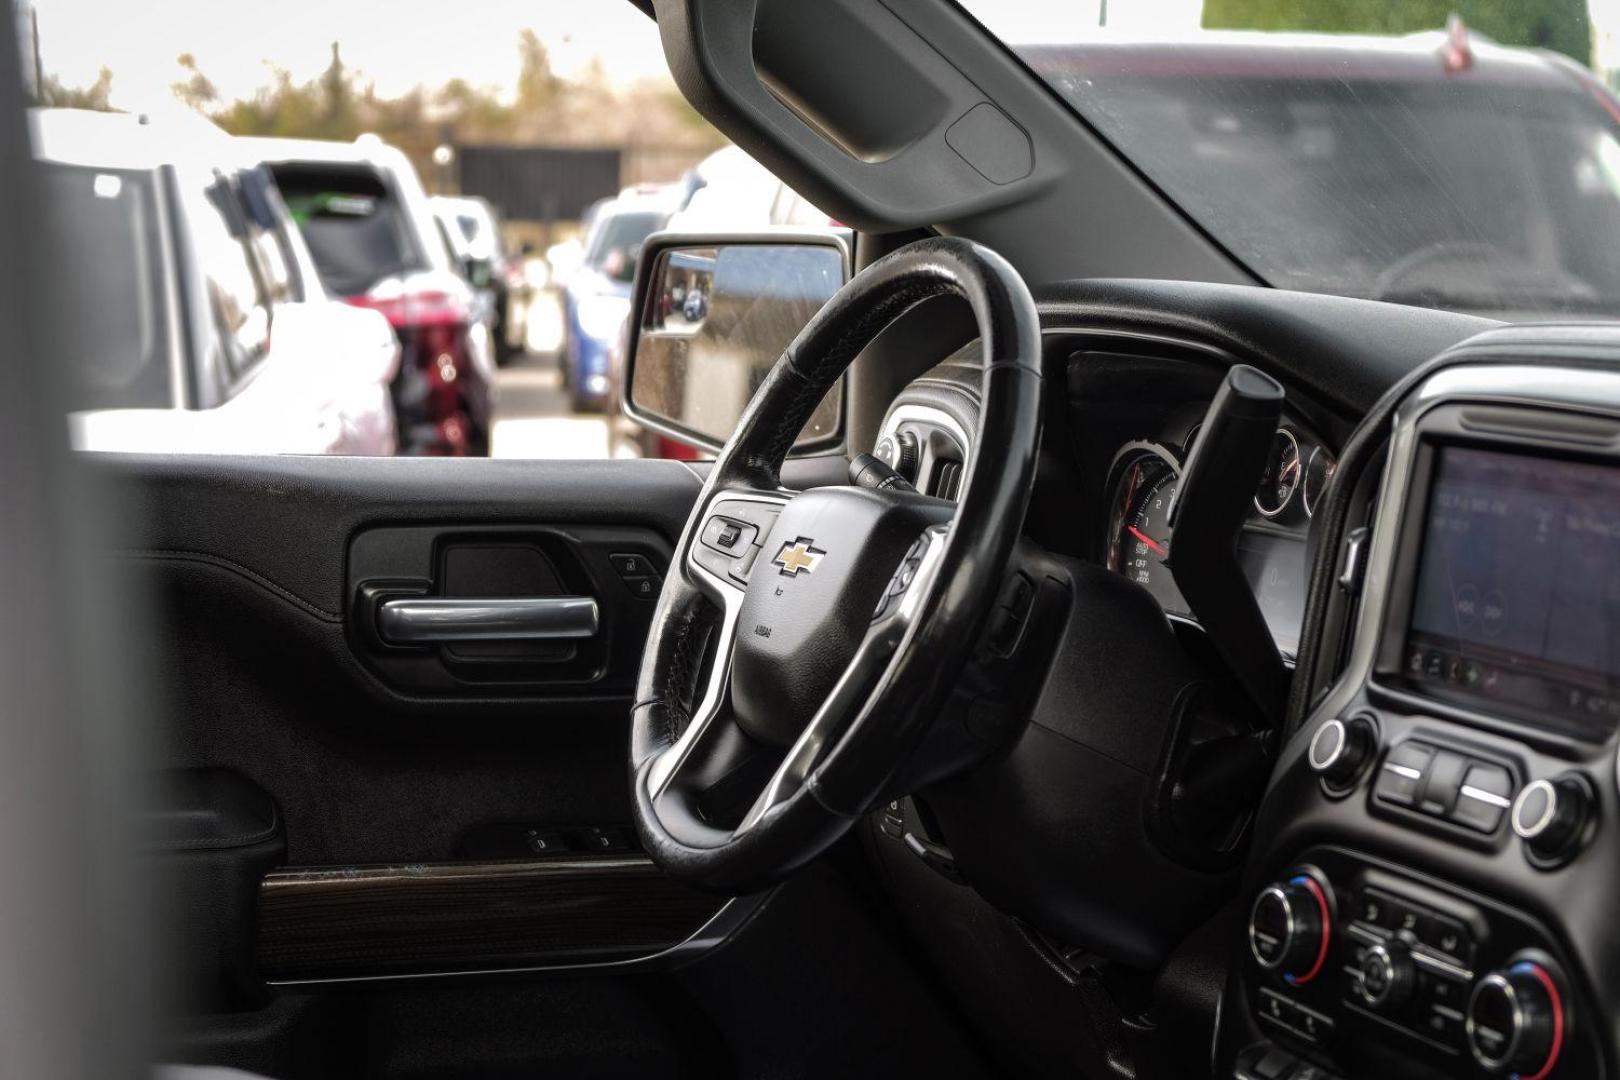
x: 712, y: 317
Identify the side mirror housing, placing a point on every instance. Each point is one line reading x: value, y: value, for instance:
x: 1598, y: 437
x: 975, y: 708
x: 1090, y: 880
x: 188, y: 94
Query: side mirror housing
x: 711, y: 313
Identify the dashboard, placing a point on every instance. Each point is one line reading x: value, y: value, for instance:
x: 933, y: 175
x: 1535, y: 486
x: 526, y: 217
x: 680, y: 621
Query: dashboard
x: 1143, y: 481
x: 1424, y: 889
x: 1139, y: 452
x: 1436, y: 831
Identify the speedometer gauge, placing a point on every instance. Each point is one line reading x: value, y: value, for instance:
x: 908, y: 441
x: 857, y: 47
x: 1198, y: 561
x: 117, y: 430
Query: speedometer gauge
x: 1145, y: 479
x: 1319, y: 469
x: 1280, y: 479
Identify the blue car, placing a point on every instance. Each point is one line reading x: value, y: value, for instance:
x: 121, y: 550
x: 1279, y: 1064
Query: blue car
x: 596, y: 299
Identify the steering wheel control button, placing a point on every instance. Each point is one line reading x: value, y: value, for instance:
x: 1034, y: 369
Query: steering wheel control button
x: 1385, y: 976
x: 1516, y: 1021
x: 1340, y: 751
x: 729, y: 543
x: 1550, y: 817
x: 1403, y: 773
x: 731, y: 537
x: 901, y: 579
x: 1290, y: 928
x: 743, y: 565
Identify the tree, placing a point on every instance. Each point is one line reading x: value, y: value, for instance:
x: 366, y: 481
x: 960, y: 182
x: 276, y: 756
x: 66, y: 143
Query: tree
x: 589, y: 110
x: 52, y: 93
x: 1560, y: 25
x: 337, y: 99
x: 538, y: 86
x: 196, y: 89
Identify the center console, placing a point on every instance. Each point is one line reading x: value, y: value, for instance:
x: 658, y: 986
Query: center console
x: 1435, y: 872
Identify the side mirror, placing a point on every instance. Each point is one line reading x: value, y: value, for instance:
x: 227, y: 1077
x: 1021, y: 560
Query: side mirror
x: 712, y: 313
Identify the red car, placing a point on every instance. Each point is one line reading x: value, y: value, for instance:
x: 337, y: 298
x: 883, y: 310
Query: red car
x: 368, y: 224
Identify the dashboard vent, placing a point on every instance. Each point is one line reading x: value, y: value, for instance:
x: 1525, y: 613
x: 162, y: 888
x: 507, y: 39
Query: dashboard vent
x: 947, y: 479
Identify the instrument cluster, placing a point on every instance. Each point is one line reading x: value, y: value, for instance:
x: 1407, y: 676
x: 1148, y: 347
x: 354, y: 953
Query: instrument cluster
x: 1142, y: 487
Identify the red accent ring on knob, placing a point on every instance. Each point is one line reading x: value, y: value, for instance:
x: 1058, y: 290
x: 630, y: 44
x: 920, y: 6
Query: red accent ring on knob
x: 1310, y: 885
x: 1551, y: 987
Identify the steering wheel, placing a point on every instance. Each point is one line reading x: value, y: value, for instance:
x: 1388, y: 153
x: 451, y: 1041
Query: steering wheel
x: 834, y: 619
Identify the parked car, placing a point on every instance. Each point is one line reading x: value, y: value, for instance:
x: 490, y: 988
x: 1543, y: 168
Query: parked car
x: 375, y: 242
x: 198, y: 322
x: 474, y: 232
x: 730, y: 190
x: 1235, y: 695
x: 596, y: 297
x: 1294, y: 148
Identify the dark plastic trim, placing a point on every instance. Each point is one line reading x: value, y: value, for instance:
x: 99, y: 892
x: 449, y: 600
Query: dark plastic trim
x: 1080, y: 210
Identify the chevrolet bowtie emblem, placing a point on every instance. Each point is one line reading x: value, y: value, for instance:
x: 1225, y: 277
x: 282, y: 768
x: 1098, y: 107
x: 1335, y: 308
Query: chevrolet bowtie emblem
x: 798, y: 556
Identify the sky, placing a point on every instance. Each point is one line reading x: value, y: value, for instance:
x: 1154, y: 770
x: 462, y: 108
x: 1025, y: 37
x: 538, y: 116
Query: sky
x: 397, y: 44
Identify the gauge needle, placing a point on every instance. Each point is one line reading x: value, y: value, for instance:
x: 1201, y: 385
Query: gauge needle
x: 1292, y: 466
x: 1146, y: 539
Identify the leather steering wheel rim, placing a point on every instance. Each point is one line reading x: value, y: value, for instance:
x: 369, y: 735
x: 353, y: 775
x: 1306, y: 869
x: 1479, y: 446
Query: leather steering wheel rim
x: 680, y: 737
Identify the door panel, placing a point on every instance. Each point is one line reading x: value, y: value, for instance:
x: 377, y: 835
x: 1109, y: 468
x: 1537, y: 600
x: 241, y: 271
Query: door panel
x: 243, y: 562
x: 406, y: 816
x: 441, y: 807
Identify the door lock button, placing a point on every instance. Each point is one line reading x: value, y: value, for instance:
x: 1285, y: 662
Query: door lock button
x: 629, y: 564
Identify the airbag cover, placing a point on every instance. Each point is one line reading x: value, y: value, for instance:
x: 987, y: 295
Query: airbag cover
x: 810, y: 599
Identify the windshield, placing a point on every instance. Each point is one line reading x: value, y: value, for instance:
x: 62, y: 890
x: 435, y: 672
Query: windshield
x: 356, y: 230
x: 1439, y: 168
x: 102, y: 226
x: 617, y: 241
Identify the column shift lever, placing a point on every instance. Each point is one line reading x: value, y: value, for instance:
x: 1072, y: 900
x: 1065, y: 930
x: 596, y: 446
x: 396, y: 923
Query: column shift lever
x: 1211, y: 504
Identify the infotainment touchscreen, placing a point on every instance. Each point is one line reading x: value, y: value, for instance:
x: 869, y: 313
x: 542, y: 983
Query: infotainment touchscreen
x: 1517, y: 600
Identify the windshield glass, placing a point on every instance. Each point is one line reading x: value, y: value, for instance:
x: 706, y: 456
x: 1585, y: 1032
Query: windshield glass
x: 1367, y: 150
x: 102, y: 225
x: 617, y: 240
x: 355, y: 228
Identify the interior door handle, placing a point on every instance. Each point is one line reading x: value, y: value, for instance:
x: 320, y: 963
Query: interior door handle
x: 425, y: 620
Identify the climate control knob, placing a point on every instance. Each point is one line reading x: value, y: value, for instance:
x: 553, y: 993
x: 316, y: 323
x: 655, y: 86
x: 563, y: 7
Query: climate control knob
x: 1290, y: 927
x: 1386, y: 976
x: 1516, y: 1021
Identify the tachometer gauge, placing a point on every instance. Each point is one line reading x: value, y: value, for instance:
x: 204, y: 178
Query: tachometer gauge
x: 1280, y: 479
x: 1145, y: 479
x: 1319, y: 469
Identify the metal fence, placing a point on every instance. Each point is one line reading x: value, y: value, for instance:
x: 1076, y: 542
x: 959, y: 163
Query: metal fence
x: 538, y: 183
x: 557, y: 183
